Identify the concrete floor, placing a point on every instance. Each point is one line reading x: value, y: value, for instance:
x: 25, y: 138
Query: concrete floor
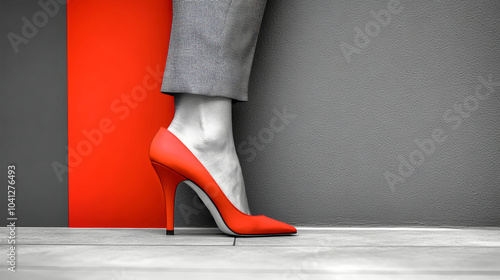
x: 315, y: 253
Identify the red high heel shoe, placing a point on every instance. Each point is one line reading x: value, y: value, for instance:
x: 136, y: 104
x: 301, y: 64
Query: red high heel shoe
x: 174, y: 163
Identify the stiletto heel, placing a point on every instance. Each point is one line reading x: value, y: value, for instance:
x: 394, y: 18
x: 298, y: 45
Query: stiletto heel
x: 169, y: 181
x: 174, y: 163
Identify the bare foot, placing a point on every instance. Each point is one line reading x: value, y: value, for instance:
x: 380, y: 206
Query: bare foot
x: 204, y: 125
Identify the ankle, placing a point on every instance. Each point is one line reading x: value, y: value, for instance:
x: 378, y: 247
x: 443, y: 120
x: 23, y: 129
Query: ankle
x: 202, y: 121
x: 199, y: 135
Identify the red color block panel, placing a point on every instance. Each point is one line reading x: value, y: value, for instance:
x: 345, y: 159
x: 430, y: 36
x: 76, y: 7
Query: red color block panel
x: 116, y: 56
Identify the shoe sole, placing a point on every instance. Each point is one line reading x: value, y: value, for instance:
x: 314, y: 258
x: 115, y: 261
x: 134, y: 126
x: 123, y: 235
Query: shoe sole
x: 221, y: 224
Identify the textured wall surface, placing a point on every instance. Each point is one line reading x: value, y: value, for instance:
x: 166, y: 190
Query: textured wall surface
x: 33, y: 114
x: 355, y: 112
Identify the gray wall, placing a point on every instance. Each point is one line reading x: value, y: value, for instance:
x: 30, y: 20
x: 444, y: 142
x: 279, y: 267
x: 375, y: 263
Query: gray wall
x: 33, y: 118
x: 353, y: 119
x: 347, y: 122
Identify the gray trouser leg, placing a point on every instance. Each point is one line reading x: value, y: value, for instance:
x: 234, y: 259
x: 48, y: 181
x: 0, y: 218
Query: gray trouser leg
x: 211, y: 49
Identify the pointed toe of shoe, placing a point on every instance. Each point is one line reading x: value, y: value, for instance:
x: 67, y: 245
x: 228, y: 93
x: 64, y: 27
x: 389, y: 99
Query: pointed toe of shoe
x: 286, y: 228
x: 269, y: 226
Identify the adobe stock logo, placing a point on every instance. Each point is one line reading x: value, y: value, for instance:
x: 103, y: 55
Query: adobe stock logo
x: 39, y: 19
x: 119, y: 110
x: 453, y: 119
x: 266, y: 135
x: 371, y: 29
